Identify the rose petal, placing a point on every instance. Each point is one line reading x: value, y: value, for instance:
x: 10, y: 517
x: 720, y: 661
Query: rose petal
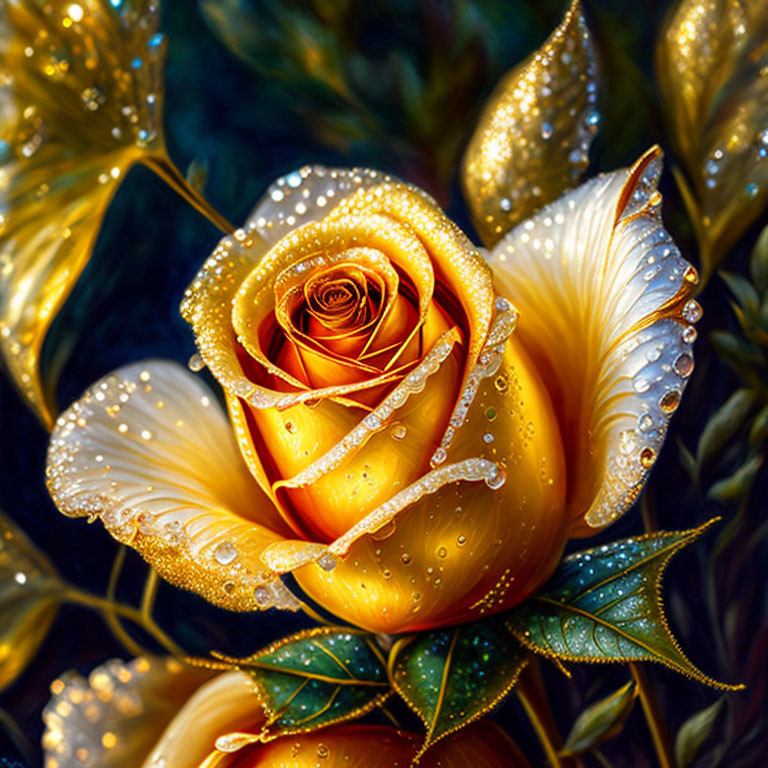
x: 228, y: 703
x: 149, y: 451
x: 337, y: 464
x: 308, y: 250
x: 305, y: 195
x: 605, y: 314
x: 479, y: 745
x: 113, y: 718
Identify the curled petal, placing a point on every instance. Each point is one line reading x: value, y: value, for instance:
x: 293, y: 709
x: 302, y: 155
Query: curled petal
x: 113, y: 718
x: 81, y: 90
x: 477, y: 533
x: 606, y: 316
x: 297, y: 199
x: 149, y: 451
x: 207, y: 304
x: 228, y: 703
x: 532, y: 140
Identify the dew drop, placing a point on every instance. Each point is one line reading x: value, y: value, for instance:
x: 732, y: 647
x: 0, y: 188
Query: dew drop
x: 405, y: 558
x: 641, y: 385
x: 501, y: 382
x: 692, y: 311
x: 491, y: 414
x: 647, y: 457
x: 670, y: 401
x: 225, y: 553
x: 195, y: 363
x: 398, y: 431
x: 442, y: 552
x: 689, y: 334
x: 495, y: 479
x: 384, y: 532
x: 683, y: 365
x: 291, y: 428
x: 323, y: 751
x: 261, y: 594
x: 461, y: 540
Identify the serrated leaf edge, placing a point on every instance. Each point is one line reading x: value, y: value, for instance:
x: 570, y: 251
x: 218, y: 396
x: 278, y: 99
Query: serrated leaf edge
x: 692, y: 672
x: 221, y: 661
x: 428, y: 741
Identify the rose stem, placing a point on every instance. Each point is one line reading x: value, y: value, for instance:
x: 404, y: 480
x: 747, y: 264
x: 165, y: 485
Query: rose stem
x: 96, y: 602
x: 659, y: 733
x: 533, y: 698
x: 110, y: 617
x: 662, y: 741
x: 171, y: 175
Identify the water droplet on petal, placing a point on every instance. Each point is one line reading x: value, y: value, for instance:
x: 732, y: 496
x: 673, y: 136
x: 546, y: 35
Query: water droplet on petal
x: 683, y: 365
x: 225, y: 553
x: 195, y: 363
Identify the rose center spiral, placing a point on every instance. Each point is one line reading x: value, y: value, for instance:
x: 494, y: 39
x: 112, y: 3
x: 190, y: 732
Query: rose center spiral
x: 341, y: 298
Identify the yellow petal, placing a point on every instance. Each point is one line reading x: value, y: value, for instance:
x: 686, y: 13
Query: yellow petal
x: 711, y: 62
x: 478, y: 533
x: 80, y: 88
x: 29, y: 588
x: 480, y: 745
x: 605, y: 314
x: 532, y: 140
x: 114, y: 718
x: 228, y: 703
x: 149, y: 451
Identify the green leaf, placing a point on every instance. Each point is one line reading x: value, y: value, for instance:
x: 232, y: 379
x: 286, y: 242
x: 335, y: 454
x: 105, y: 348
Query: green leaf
x: 758, y: 264
x: 724, y: 423
x: 740, y: 354
x: 604, y: 605
x: 453, y: 676
x: 315, y: 678
x: 693, y: 733
x: 743, y: 290
x: 737, y: 485
x: 600, y: 721
x: 759, y: 430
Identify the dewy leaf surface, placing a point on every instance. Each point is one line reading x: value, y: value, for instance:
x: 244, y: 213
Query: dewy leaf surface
x: 315, y: 678
x: 532, y: 140
x: 604, y: 604
x: 456, y: 675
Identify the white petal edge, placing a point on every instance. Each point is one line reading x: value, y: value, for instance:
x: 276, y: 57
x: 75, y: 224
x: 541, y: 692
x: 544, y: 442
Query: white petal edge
x: 295, y: 199
x: 149, y: 451
x: 605, y: 311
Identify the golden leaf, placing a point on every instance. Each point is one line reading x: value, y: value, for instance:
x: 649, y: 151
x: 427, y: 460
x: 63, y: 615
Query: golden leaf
x: 80, y: 102
x: 533, y: 138
x: 712, y: 66
x: 29, y: 589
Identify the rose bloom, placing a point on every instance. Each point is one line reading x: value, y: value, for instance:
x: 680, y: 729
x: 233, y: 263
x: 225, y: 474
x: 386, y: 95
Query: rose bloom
x: 158, y: 713
x: 413, y: 428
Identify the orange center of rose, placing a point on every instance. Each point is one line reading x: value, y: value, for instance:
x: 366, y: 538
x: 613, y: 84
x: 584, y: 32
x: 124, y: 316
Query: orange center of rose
x: 352, y: 320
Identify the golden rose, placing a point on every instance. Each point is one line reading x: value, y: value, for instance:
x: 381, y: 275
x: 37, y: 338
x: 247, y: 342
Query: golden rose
x: 413, y: 461
x: 157, y: 713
